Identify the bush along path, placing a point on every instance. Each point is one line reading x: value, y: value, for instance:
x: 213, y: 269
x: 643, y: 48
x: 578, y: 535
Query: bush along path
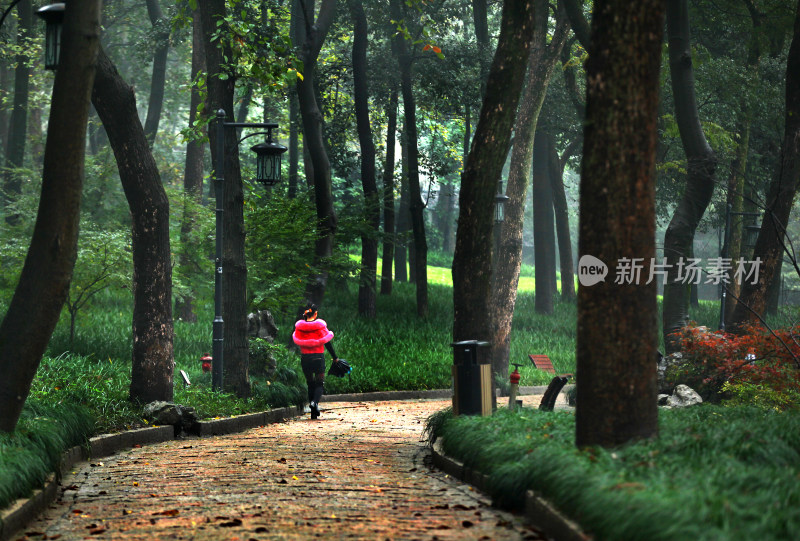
x: 360, y: 471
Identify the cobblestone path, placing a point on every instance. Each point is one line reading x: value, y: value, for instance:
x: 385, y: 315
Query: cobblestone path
x: 359, y: 472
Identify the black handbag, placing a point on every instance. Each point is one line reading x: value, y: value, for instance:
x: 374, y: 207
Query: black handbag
x: 339, y: 368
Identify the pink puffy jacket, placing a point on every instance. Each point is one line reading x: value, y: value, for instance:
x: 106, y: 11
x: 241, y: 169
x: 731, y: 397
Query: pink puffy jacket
x: 311, y: 336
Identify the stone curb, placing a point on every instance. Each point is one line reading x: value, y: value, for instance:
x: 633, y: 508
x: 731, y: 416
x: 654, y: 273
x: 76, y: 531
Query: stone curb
x: 429, y: 394
x: 17, y: 515
x: 537, y: 509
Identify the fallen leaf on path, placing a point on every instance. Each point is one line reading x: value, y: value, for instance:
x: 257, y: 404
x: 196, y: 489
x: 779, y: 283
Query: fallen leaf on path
x: 168, y: 512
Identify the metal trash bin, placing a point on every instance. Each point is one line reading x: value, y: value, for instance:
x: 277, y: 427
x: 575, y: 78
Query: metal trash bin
x: 472, y: 378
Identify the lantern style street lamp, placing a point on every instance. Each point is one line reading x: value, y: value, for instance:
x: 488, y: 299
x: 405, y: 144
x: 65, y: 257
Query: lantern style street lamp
x: 53, y: 15
x: 268, y: 172
x: 499, y: 204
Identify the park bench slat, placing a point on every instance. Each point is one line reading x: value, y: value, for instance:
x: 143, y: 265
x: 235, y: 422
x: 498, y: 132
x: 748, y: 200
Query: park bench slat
x: 542, y: 362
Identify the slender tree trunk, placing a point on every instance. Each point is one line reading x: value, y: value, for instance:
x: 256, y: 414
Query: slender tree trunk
x: 294, y: 142
x: 314, y: 144
x: 193, y: 169
x: 737, y: 180
x: 369, y: 240
x: 702, y: 163
x: 544, y: 241
x: 159, y: 76
x: 770, y: 243
x: 616, y: 348
x: 562, y: 228
x: 401, y: 237
x: 153, y: 362
x: 388, y: 196
x: 221, y: 87
x: 44, y: 282
x: 472, y: 260
x: 15, y: 146
x: 416, y: 205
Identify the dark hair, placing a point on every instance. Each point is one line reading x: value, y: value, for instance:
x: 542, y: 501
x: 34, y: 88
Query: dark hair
x: 310, y: 310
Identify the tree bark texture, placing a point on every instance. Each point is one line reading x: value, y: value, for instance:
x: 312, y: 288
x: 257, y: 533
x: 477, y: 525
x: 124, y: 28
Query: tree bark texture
x: 313, y: 140
x: 234, y: 277
x: 193, y: 168
x: 771, y: 238
x: 544, y: 237
x: 702, y: 163
x: 153, y: 362
x: 508, y: 254
x: 44, y: 282
x: 617, y: 333
x: 369, y: 240
x: 472, y: 260
x: 15, y: 146
x: 159, y: 74
x: 416, y: 205
x: 388, y: 196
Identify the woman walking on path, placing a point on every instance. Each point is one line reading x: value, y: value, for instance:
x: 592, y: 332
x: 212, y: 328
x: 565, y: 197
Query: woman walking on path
x: 313, y: 337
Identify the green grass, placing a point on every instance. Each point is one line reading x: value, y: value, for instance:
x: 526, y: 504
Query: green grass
x: 34, y: 449
x: 714, y: 473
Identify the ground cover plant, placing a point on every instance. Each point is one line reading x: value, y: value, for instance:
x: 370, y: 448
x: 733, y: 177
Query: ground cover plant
x: 714, y: 472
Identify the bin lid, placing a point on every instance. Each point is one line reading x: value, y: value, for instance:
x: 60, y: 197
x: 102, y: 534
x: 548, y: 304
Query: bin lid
x: 466, y: 343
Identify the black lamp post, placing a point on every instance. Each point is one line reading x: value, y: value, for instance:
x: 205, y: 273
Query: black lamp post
x: 268, y: 172
x: 53, y: 15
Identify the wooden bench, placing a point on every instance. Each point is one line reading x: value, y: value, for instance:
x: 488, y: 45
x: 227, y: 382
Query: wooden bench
x: 543, y: 362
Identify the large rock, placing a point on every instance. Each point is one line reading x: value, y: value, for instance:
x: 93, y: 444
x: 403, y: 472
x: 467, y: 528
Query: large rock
x: 683, y: 397
x: 664, y: 372
x: 183, y: 418
x: 261, y: 324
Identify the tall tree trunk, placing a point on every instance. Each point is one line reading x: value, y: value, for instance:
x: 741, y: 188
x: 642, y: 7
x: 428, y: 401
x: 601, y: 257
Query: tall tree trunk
x: 294, y: 142
x: 401, y: 236
x: 480, y: 19
x: 416, y: 205
x: 221, y: 87
x: 388, y: 196
x: 193, y: 169
x: 770, y: 243
x: 369, y: 240
x: 15, y: 146
x: 472, y: 260
x: 616, y: 400
x: 44, y: 282
x: 446, y: 210
x: 544, y: 241
x: 736, y: 179
x: 153, y: 362
x: 562, y: 228
x: 702, y: 163
x: 313, y: 141
x: 159, y: 75
x: 508, y: 253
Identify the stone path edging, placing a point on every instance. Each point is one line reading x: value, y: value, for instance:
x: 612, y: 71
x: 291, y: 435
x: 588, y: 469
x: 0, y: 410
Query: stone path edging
x: 537, y: 509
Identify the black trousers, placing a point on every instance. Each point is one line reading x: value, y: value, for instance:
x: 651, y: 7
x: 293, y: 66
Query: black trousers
x: 313, y: 365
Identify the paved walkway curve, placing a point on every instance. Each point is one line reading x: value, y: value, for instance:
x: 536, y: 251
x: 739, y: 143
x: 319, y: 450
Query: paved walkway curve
x: 359, y: 472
